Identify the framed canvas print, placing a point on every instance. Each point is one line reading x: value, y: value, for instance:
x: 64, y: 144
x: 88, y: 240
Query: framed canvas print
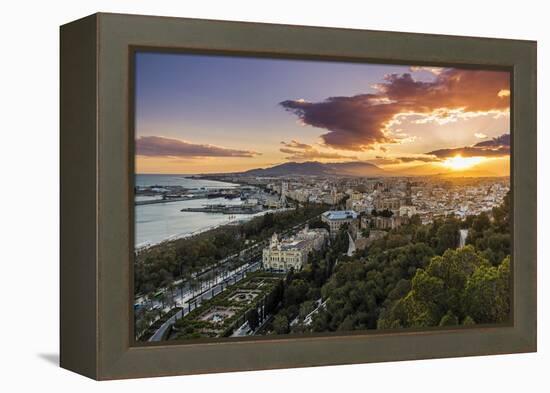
x: 240, y: 196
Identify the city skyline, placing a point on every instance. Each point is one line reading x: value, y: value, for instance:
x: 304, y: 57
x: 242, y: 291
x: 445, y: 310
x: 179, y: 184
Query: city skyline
x: 213, y: 114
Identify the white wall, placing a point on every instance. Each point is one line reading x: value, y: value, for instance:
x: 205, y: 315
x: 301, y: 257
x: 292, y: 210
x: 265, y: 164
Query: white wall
x: 29, y: 215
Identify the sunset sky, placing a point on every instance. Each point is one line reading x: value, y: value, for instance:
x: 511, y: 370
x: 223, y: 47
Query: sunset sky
x: 208, y: 114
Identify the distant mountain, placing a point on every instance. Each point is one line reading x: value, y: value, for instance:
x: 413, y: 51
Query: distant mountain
x: 315, y: 168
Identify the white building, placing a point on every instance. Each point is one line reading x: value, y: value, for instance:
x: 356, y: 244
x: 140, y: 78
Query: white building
x: 300, y: 195
x: 408, y: 211
x: 336, y: 218
x: 282, y: 255
x: 284, y: 192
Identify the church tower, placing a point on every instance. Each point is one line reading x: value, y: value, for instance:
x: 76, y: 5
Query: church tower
x: 274, y: 240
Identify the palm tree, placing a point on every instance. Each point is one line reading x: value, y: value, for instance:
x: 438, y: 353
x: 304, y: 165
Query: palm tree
x: 193, y: 283
x: 149, y: 300
x: 182, y: 283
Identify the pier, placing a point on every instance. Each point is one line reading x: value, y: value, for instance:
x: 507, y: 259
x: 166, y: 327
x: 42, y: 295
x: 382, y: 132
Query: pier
x: 189, y: 197
x: 167, y: 200
x: 225, y: 209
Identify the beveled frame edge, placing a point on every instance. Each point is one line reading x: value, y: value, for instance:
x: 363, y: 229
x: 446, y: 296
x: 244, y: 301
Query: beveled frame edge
x: 78, y: 197
x: 132, y: 51
x: 117, y: 359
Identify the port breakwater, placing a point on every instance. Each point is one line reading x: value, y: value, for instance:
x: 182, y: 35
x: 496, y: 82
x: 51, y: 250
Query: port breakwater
x: 239, y: 209
x: 167, y: 200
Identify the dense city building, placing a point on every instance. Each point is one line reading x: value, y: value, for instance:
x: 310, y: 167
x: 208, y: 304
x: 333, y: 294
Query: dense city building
x: 336, y: 218
x: 284, y: 254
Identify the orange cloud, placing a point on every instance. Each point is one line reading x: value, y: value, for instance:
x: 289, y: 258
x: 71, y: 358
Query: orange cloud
x: 157, y: 146
x: 302, y: 152
x: 496, y: 147
x: 361, y: 121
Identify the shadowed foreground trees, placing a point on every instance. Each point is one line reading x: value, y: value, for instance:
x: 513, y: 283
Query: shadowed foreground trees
x: 359, y: 287
x: 458, y: 287
x: 491, y: 238
x: 415, y: 277
x: 280, y: 324
x: 302, y: 289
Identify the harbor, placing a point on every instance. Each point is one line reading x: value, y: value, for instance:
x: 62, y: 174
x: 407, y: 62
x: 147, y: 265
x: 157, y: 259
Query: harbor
x: 159, y: 195
x: 169, y: 207
x: 226, y: 209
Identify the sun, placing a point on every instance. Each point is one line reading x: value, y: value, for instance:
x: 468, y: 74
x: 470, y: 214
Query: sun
x: 459, y: 163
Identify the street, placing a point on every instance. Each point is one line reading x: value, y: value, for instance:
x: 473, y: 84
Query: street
x: 189, y: 303
x: 187, y: 298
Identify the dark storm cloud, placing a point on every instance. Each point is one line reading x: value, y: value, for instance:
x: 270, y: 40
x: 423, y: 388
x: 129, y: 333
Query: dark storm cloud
x: 157, y: 146
x: 358, y: 122
x: 496, y: 147
x: 420, y: 158
x: 353, y: 122
x: 400, y: 160
x: 379, y: 160
x: 503, y: 140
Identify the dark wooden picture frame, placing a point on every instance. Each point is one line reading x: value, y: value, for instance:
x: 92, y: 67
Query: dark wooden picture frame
x: 96, y: 205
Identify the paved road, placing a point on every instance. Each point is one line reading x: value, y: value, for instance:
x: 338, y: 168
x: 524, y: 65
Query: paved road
x: 180, y: 294
x: 253, y: 251
x: 193, y: 302
x: 189, y: 301
x: 351, y: 246
x: 320, y: 306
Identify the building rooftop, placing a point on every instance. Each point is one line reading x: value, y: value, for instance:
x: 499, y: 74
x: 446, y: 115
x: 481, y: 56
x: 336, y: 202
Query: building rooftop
x: 288, y: 245
x: 340, y: 214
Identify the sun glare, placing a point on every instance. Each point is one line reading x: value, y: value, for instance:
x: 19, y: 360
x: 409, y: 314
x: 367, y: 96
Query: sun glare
x: 459, y: 163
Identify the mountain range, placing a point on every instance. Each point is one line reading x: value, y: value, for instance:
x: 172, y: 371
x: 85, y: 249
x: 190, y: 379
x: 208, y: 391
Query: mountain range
x: 315, y: 168
x: 362, y: 168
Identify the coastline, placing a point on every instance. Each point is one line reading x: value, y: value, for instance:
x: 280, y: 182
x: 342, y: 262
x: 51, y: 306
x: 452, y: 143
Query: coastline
x: 177, y: 180
x: 174, y: 176
x: 219, y: 177
x: 141, y: 247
